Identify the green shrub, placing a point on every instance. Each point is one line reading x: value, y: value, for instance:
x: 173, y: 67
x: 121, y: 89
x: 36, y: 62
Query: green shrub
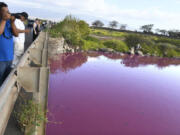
x: 132, y: 40
x: 29, y: 115
x: 84, y: 29
x: 148, y: 49
x: 151, y: 49
x: 161, y: 50
x: 55, y: 33
x: 117, y: 45
x: 72, y: 29
x: 102, y: 32
x: 90, y: 38
x: 91, y: 45
x: 168, y: 50
x: 172, y: 53
x: 175, y: 42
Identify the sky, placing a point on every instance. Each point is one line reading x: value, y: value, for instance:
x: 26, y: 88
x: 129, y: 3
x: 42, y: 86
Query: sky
x: 164, y: 14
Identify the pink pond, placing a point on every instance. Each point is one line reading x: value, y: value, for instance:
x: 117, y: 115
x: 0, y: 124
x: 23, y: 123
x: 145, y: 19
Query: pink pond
x: 110, y: 94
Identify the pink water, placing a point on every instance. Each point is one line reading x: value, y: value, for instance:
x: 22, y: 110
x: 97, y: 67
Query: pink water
x: 105, y: 94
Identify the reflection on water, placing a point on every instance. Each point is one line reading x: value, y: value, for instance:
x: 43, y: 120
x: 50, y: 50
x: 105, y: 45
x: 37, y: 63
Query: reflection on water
x: 65, y: 62
x: 68, y: 61
x: 110, y: 94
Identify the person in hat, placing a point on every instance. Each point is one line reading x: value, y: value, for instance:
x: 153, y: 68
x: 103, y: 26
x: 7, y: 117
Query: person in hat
x: 7, y: 31
x: 20, y: 40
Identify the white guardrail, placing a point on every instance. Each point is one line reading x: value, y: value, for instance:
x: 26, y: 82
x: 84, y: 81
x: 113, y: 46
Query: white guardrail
x: 31, y: 74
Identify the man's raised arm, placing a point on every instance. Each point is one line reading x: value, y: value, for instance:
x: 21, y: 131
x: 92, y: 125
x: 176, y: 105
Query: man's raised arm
x: 14, y: 29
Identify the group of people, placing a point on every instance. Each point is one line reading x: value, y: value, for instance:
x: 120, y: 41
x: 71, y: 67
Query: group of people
x: 12, y: 39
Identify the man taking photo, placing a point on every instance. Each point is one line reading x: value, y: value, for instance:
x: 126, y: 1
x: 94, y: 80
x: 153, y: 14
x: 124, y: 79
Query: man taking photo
x: 20, y: 40
x: 7, y: 30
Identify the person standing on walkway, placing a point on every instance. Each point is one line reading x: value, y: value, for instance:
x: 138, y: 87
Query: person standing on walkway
x: 36, y: 29
x: 20, y: 40
x: 7, y: 30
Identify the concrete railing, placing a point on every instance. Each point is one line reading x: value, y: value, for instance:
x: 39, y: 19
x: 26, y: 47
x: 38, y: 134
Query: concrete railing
x: 32, y: 75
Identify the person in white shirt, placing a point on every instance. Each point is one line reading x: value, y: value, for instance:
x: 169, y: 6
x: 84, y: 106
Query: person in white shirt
x: 20, y: 40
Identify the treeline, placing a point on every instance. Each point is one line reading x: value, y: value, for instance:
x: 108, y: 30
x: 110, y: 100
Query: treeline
x: 146, y: 29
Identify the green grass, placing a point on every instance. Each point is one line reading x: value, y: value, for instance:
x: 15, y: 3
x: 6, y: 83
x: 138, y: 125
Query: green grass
x: 92, y: 45
x: 117, y: 45
x: 175, y: 42
x: 100, y: 32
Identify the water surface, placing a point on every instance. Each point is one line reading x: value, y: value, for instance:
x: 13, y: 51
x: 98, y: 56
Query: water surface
x: 110, y: 94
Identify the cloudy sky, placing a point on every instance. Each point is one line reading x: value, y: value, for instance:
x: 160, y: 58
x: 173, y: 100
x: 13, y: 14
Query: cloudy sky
x: 164, y: 14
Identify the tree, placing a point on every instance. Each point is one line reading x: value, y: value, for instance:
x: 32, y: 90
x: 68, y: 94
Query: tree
x: 123, y: 26
x: 157, y: 31
x: 98, y: 23
x: 113, y: 24
x: 174, y: 33
x: 162, y: 32
x: 147, y: 28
